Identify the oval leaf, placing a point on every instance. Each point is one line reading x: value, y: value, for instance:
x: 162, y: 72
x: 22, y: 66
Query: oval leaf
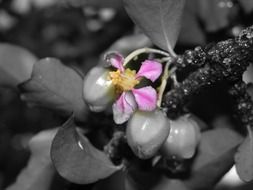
x: 159, y: 19
x: 214, y: 157
x: 16, y: 65
x: 55, y: 86
x: 39, y: 171
x: 244, y: 159
x: 76, y: 159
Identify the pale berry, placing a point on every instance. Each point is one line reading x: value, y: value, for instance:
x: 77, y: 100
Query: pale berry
x: 98, y: 90
x: 146, y: 132
x: 183, y: 138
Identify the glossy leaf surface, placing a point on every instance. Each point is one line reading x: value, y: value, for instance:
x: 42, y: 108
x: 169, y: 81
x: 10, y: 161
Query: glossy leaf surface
x: 159, y: 19
x: 76, y: 159
x: 56, y: 87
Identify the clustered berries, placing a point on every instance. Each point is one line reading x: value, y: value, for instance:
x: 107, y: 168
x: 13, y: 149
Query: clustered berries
x: 148, y: 130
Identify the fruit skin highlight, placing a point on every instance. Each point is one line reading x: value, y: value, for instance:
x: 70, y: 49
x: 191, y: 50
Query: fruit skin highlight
x: 98, y: 90
x: 146, y: 132
x: 183, y: 138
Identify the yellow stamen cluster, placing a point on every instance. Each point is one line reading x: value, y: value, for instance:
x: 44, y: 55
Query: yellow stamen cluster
x: 123, y: 81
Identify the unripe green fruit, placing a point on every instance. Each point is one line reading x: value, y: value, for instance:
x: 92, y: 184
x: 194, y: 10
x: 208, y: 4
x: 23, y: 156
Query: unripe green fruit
x: 98, y: 90
x: 146, y: 132
x: 183, y: 138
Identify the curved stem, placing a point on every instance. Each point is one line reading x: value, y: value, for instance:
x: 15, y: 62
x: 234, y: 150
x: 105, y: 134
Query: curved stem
x: 163, y: 84
x: 144, y: 50
x: 166, y: 75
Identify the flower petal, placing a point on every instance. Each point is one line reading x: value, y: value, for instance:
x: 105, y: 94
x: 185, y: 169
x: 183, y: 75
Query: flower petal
x: 150, y: 69
x: 146, y: 98
x: 116, y: 60
x: 124, y: 107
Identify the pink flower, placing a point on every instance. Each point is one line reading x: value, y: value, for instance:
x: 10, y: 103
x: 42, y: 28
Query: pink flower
x: 125, y: 80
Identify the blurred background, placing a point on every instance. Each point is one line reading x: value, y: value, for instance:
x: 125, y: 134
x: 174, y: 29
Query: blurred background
x: 78, y: 32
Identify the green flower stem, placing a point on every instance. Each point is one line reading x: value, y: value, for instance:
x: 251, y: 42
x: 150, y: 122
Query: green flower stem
x: 137, y: 52
x: 166, y: 75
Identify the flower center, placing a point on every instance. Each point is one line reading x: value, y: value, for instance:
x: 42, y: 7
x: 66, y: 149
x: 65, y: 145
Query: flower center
x: 123, y: 81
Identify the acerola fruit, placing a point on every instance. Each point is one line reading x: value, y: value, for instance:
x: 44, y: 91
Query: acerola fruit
x: 183, y: 138
x: 98, y: 90
x: 146, y: 132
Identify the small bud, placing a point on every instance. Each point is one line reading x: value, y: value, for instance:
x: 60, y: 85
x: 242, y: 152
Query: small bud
x: 183, y: 138
x: 146, y: 132
x: 98, y: 90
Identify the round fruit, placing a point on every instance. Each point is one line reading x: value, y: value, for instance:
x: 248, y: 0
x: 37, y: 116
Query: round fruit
x: 183, y: 138
x: 146, y: 132
x: 98, y: 90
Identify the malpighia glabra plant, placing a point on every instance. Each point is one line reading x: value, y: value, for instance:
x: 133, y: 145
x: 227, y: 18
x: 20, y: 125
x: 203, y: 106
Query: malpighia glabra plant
x: 119, y: 86
x: 123, y: 81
